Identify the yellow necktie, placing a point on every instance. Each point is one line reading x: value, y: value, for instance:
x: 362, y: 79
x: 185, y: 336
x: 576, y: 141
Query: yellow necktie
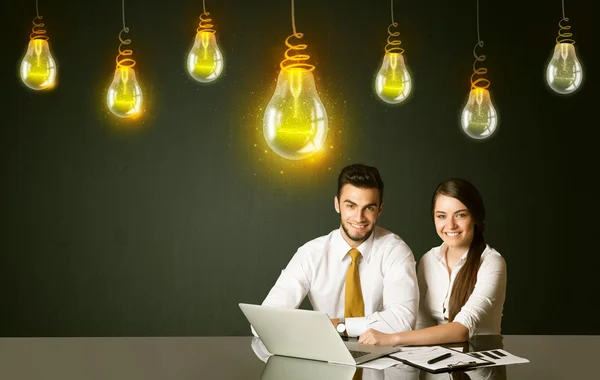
x: 358, y: 374
x: 354, y: 305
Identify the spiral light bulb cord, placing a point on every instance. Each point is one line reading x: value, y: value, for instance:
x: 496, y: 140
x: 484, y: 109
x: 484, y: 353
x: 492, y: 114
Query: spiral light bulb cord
x: 393, y: 42
x: 124, y: 58
x: 293, y: 56
x: 564, y: 36
x: 477, y: 79
x: 38, y: 32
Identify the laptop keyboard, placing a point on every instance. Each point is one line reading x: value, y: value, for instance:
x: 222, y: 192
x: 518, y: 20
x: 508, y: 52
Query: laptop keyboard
x: 358, y: 354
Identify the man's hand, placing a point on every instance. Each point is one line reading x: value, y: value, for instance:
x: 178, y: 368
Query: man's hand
x: 335, y: 321
x: 375, y: 337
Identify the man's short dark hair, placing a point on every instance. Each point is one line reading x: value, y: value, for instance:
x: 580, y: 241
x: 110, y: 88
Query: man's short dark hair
x: 362, y: 176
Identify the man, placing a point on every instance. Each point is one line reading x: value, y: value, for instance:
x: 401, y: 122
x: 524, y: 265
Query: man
x: 359, y: 274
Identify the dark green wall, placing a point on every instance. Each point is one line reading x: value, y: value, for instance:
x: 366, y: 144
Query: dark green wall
x: 161, y: 228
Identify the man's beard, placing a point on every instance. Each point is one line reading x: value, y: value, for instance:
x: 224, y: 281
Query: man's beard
x: 356, y: 238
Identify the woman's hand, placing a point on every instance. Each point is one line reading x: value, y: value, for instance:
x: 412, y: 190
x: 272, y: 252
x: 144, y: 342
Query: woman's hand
x: 375, y: 337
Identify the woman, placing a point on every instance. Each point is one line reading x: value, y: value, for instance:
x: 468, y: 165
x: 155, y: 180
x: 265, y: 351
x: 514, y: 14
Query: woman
x: 462, y: 282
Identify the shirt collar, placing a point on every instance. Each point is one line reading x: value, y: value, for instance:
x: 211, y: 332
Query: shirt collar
x: 441, y: 255
x: 341, y: 247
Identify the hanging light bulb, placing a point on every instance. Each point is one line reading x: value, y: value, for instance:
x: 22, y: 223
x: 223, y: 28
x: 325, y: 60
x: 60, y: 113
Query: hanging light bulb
x: 393, y: 82
x: 295, y: 120
x: 479, y: 118
x: 205, y: 60
x: 38, y: 67
x: 564, y: 73
x: 124, y: 96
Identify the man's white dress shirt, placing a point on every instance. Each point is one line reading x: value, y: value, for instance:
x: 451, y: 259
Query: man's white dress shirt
x: 387, y: 273
x: 482, y: 313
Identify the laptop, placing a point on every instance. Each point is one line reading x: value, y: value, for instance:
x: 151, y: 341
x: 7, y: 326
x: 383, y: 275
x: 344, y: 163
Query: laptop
x: 307, y: 334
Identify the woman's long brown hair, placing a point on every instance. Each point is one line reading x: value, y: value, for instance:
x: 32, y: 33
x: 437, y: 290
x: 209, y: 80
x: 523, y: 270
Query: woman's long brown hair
x: 466, y: 278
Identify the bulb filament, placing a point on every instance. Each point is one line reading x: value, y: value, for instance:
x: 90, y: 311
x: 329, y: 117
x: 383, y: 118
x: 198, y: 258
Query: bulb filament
x: 477, y: 79
x: 293, y: 57
x: 122, y: 59
x: 393, y: 42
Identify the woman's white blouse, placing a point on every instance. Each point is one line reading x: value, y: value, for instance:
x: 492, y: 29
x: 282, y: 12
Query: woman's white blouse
x: 482, y: 313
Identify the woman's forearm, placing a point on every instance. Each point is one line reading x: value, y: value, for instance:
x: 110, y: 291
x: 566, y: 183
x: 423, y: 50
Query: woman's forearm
x: 452, y: 332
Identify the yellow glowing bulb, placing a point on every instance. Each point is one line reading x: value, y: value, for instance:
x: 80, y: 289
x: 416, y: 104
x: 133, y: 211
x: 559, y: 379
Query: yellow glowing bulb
x: 205, y: 61
x: 564, y: 74
x: 393, y: 81
x: 295, y: 122
x: 124, y: 96
x: 479, y: 118
x: 38, y: 68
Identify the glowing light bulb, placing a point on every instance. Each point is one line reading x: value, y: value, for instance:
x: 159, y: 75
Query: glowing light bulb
x: 38, y: 68
x: 393, y: 81
x: 295, y: 121
x: 564, y: 74
x: 479, y: 118
x: 205, y: 60
x: 124, y: 96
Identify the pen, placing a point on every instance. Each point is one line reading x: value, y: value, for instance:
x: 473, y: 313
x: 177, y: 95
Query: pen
x: 441, y: 357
